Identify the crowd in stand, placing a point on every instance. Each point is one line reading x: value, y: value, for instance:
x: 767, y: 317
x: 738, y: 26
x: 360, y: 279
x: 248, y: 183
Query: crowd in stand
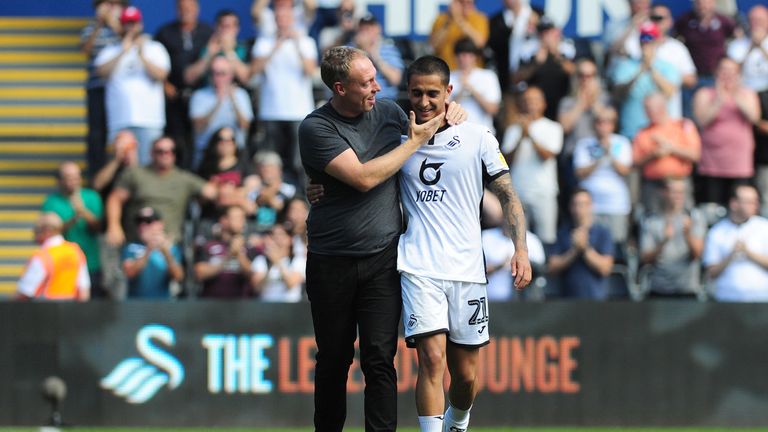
x: 640, y: 165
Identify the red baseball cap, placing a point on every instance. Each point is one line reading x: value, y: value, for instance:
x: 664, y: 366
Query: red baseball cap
x: 649, y: 32
x: 131, y: 14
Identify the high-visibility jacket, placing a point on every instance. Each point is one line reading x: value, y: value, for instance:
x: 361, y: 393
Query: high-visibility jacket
x: 61, y: 265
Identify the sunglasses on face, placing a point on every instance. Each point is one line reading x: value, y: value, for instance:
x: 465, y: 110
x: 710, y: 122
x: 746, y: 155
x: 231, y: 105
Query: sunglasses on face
x: 162, y: 151
x: 146, y: 220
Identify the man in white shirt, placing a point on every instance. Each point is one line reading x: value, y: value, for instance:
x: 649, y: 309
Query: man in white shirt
x: 440, y: 256
x: 736, y: 250
x: 287, y: 61
x: 751, y: 50
x: 675, y: 53
x: 475, y: 88
x: 531, y: 146
x: 135, y: 69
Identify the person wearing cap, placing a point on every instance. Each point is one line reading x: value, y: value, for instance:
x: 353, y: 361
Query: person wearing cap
x: 384, y: 54
x: 462, y: 19
x: 475, y: 88
x: 634, y: 79
x: 135, y: 69
x: 547, y: 63
x: 56, y: 271
x: 104, y: 30
x: 286, y: 64
x: 152, y: 262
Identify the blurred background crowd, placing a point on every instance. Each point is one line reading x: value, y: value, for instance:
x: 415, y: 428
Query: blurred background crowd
x: 641, y: 159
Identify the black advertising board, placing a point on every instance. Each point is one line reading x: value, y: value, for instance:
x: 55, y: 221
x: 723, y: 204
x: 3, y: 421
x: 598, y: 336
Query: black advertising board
x: 250, y: 364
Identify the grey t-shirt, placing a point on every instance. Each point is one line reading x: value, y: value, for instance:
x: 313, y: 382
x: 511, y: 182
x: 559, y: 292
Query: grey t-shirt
x: 348, y: 222
x: 674, y: 270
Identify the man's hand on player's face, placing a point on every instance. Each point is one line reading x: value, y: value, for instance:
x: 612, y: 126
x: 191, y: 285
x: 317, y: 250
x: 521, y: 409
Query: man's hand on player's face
x: 421, y: 133
x: 521, y: 269
x: 455, y: 113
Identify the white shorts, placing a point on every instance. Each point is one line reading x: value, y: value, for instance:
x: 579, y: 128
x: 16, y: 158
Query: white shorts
x: 432, y: 306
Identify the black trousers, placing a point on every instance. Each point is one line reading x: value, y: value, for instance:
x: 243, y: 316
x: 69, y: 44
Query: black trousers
x: 96, y: 150
x: 350, y: 295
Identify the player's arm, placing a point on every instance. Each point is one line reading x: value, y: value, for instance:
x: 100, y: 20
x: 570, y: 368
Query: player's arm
x: 365, y: 176
x: 515, y: 218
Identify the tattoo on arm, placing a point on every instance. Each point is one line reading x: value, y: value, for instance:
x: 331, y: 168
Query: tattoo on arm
x: 512, y: 207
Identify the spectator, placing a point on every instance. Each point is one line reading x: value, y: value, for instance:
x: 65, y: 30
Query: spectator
x: 287, y: 63
x: 221, y: 104
x: 583, y: 253
x: 56, y: 271
x: 507, y: 31
x: 635, y: 79
x: 226, y: 168
x: 751, y: 51
x: 473, y: 87
x: 296, y: 213
x: 135, y: 70
x: 343, y: 31
x: 530, y: 146
x: 499, y: 249
x: 278, y: 274
x: 461, y: 19
x: 223, y: 263
x: 665, y: 148
x: 104, y: 30
x: 223, y: 43
x: 546, y: 62
x: 675, y: 53
x: 153, y: 261
x: 576, y: 113
x: 725, y: 115
x: 704, y: 31
x: 622, y: 35
x: 266, y: 23
x: 602, y: 164
x: 671, y: 243
x: 82, y: 212
x: 184, y: 39
x: 384, y: 54
x: 761, y: 151
x: 268, y: 190
x: 161, y: 186
x: 125, y: 156
x: 736, y: 250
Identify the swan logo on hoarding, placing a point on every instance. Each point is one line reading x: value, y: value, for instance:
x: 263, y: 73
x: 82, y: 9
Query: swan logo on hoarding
x: 136, y: 379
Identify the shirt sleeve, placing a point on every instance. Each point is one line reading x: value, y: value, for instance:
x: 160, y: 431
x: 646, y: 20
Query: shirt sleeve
x: 108, y: 53
x: 244, y: 104
x: 712, y: 250
x: 158, y: 55
x: 548, y: 134
x: 33, y: 276
x: 259, y: 264
x: 511, y: 137
x: 319, y: 142
x: 581, y: 156
x: 493, y: 161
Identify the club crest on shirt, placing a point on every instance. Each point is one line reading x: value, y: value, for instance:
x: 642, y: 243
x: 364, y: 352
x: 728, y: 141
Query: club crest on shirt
x: 412, y: 320
x: 454, y: 143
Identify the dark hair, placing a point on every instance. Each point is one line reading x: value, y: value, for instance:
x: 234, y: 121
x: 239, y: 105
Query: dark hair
x: 225, y: 13
x: 210, y: 163
x: 733, y: 193
x: 465, y: 44
x: 579, y: 190
x: 336, y: 62
x: 430, y: 65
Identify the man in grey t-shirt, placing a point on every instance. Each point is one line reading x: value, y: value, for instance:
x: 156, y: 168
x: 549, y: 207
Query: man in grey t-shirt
x: 671, y: 243
x: 352, y: 146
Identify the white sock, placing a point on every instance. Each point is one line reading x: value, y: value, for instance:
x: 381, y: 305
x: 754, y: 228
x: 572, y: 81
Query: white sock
x: 456, y: 420
x: 431, y: 423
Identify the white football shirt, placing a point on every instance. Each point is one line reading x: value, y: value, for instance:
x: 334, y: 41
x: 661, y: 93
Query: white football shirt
x: 441, y: 188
